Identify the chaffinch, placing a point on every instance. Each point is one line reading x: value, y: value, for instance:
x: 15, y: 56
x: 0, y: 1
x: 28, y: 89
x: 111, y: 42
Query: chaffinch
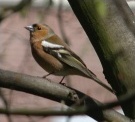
x: 55, y: 56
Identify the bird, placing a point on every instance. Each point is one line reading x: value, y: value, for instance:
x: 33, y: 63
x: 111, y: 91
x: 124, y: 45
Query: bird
x: 55, y: 56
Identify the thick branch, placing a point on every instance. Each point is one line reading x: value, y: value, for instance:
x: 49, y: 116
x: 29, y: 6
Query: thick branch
x: 37, y: 86
x: 57, y: 92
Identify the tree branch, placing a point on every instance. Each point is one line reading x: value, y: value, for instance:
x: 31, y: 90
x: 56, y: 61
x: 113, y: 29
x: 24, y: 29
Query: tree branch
x: 54, y: 91
x: 37, y: 86
x: 110, y: 115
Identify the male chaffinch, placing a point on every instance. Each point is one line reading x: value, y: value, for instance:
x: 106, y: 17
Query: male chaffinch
x: 55, y: 56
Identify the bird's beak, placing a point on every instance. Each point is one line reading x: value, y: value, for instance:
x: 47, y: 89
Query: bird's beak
x: 30, y: 28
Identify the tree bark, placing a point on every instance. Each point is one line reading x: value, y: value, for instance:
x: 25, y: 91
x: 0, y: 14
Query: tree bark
x: 114, y: 43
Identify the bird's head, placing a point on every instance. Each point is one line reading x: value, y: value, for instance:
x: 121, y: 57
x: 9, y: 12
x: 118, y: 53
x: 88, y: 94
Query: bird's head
x: 40, y: 31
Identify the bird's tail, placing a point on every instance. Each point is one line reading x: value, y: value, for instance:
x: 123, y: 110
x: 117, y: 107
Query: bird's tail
x: 102, y: 84
x: 92, y: 76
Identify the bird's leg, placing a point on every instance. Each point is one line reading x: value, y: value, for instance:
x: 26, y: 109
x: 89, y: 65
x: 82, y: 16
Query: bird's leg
x: 47, y: 75
x: 62, y: 80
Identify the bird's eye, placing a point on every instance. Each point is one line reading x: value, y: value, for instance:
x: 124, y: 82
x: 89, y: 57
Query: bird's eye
x: 39, y: 28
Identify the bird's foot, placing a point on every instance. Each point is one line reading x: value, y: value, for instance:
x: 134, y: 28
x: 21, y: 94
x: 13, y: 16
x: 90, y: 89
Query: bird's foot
x: 47, y: 75
x: 64, y: 84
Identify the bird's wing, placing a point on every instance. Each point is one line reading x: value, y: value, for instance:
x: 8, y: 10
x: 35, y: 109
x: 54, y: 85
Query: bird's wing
x: 71, y: 60
x: 66, y: 56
